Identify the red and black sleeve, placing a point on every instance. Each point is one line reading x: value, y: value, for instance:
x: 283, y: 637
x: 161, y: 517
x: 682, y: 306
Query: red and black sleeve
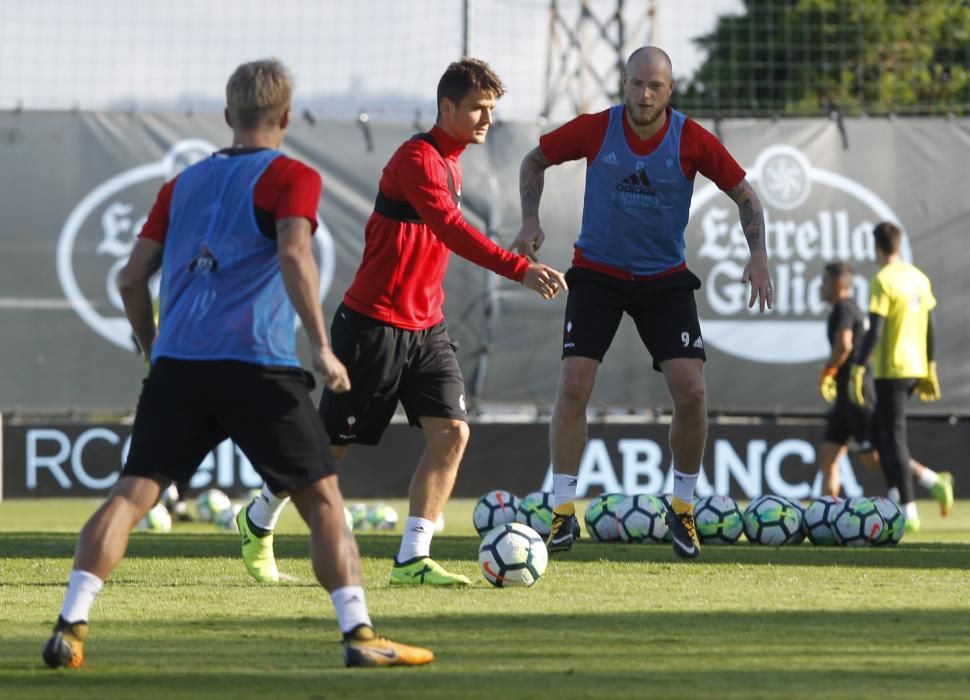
x: 424, y: 183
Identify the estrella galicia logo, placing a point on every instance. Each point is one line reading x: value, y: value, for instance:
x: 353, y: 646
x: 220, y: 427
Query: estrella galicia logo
x: 635, y: 191
x: 100, y: 232
x: 812, y: 216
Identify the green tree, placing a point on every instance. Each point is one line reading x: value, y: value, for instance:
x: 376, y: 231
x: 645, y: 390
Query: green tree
x: 806, y: 56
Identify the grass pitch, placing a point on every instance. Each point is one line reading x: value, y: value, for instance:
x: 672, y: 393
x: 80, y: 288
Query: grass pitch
x: 181, y: 619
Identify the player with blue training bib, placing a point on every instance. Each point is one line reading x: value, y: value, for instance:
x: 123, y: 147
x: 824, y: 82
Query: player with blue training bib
x: 232, y: 235
x: 641, y: 160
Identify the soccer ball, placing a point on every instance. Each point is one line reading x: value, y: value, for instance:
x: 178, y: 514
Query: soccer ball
x: 799, y: 536
x: 667, y: 499
x: 718, y: 520
x: 893, y: 518
x: 512, y: 554
x: 641, y: 519
x: 381, y: 516
x: 226, y: 519
x: 358, y: 516
x: 535, y: 510
x: 772, y: 520
x: 210, y: 503
x: 496, y: 507
x: 601, y: 522
x: 857, y: 522
x: 818, y: 518
x: 158, y: 519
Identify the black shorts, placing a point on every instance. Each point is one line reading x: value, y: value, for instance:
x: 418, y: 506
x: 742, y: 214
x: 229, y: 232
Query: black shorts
x: 386, y: 365
x: 187, y: 407
x: 663, y: 310
x: 847, y: 422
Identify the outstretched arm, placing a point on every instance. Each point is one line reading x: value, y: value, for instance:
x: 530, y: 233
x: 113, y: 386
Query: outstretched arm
x: 532, y: 179
x: 753, y: 224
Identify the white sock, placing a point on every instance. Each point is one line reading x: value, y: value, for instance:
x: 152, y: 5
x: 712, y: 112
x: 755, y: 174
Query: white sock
x: 563, y: 489
x: 910, y: 510
x: 893, y: 494
x: 928, y: 478
x: 684, y: 485
x: 416, y: 541
x: 266, y: 508
x: 351, y: 608
x: 82, y: 587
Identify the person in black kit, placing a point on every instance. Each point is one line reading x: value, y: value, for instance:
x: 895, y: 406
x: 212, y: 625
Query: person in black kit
x: 846, y: 423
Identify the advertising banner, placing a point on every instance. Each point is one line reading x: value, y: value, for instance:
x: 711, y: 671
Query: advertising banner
x: 741, y: 460
x: 77, y: 188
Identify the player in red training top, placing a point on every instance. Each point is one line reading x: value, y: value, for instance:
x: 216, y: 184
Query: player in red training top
x: 641, y: 158
x: 224, y: 361
x: 390, y: 329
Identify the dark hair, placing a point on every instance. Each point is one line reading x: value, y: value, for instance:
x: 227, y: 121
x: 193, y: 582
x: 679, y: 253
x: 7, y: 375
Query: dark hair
x: 888, y: 237
x: 841, y: 271
x: 466, y: 75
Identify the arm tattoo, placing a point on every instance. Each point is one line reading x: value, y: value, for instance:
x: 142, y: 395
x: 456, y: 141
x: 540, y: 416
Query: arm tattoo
x: 531, y: 181
x: 751, y: 213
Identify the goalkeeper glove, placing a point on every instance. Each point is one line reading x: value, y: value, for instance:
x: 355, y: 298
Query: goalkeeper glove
x: 826, y: 384
x: 928, y: 388
x: 856, y: 376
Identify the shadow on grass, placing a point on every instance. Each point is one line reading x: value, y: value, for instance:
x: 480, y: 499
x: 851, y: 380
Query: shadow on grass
x: 749, y: 654
x: 34, y: 545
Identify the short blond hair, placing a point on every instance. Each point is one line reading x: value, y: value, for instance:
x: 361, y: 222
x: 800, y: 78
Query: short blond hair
x: 258, y: 93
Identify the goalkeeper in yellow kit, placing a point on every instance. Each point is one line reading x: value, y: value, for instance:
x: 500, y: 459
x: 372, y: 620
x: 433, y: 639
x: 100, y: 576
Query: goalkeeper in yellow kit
x: 899, y: 343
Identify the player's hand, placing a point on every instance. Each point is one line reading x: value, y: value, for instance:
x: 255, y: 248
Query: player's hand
x: 756, y: 272
x: 856, y: 378
x: 928, y: 388
x: 545, y: 280
x: 827, y: 386
x: 328, y: 366
x: 529, y: 240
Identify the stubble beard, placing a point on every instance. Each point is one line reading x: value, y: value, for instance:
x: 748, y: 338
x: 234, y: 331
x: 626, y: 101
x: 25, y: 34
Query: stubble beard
x: 650, y: 119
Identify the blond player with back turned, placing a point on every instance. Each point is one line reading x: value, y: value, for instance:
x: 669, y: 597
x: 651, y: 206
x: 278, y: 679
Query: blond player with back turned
x: 232, y: 235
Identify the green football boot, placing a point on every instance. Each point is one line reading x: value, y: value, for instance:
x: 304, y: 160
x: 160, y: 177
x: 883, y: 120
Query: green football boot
x: 942, y: 491
x: 257, y: 551
x: 424, y: 571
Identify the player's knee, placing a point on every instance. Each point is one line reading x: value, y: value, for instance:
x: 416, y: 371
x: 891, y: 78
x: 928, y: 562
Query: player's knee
x: 691, y: 399
x: 574, y: 391
x: 455, y: 433
x: 464, y: 432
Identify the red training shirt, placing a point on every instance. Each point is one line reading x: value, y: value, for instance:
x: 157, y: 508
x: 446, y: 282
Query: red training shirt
x: 399, y: 281
x: 700, y: 152
x: 286, y: 188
